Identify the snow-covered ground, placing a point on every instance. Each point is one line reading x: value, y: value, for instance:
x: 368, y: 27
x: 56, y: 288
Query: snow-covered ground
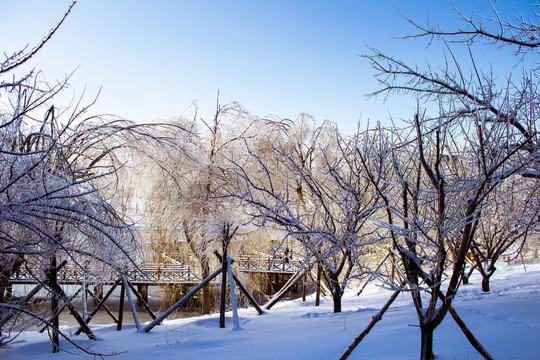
x: 506, y: 322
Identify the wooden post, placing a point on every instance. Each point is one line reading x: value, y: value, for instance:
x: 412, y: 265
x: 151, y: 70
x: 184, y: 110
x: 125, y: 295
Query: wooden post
x: 143, y: 291
x: 371, y: 276
x: 85, y: 297
x: 393, y: 272
x: 226, y: 238
x: 241, y: 286
x: 121, y: 307
x: 98, y: 289
x: 28, y: 296
x: 74, y: 311
x: 304, y: 288
x: 374, y: 320
x: 53, y: 272
x: 233, y: 296
x: 21, y: 302
x: 131, y: 303
x: 292, y: 281
x: 107, y: 310
x: 57, y: 290
x: 59, y: 311
x: 247, y: 294
x: 223, y: 287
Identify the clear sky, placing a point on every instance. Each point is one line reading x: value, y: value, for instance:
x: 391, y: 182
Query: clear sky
x: 152, y: 59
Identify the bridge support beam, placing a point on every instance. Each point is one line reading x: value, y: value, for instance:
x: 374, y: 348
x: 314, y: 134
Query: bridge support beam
x: 179, y: 303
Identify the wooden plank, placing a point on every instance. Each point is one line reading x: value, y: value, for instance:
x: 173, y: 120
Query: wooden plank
x: 121, y: 307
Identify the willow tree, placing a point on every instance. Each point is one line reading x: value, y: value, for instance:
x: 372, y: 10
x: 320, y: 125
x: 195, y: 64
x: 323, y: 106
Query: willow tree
x: 304, y: 180
x: 186, y: 205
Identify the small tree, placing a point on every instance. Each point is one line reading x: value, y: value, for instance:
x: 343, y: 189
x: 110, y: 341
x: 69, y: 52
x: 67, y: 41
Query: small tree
x: 512, y: 215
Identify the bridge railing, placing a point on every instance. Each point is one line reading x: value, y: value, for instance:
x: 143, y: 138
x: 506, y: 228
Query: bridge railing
x: 147, y: 273
x: 159, y: 273
x: 250, y: 263
x: 69, y: 274
x: 166, y: 273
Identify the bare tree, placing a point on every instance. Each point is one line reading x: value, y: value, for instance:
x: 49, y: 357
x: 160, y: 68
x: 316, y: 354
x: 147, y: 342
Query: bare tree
x: 512, y: 214
x: 481, y: 136
x: 186, y: 203
x: 514, y: 102
x: 519, y: 32
x: 59, y: 173
x: 440, y: 186
x: 306, y: 181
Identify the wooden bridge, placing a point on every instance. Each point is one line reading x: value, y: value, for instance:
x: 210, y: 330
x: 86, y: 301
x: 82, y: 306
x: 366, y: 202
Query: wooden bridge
x: 172, y: 272
x: 136, y: 282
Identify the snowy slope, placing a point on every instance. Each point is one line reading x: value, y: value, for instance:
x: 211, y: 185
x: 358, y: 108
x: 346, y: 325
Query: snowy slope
x: 506, y: 321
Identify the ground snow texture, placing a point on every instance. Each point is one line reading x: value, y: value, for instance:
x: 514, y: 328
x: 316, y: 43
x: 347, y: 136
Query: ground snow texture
x: 506, y: 321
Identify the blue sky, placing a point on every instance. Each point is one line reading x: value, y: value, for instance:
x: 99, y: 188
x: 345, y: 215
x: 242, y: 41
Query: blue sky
x: 152, y: 59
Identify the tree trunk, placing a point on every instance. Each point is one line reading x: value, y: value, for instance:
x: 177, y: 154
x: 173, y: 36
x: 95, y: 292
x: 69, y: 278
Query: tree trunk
x: 485, y: 283
x: 121, y: 308
x: 426, y: 346
x: 223, y: 294
x: 336, y: 291
x: 7, y: 269
x: 336, y: 296
x: 467, y: 274
x: 318, y: 286
x: 205, y: 306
